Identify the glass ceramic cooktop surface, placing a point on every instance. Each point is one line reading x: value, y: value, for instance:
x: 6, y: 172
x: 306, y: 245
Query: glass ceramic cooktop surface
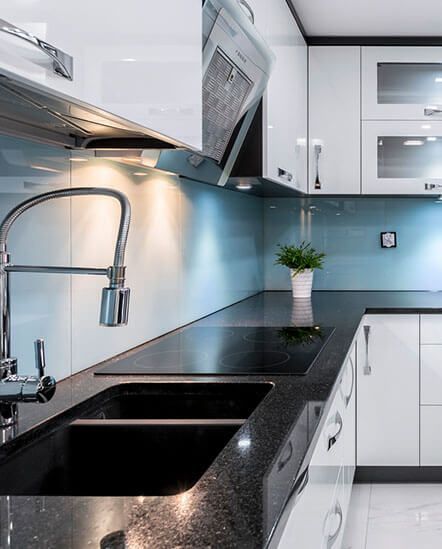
x: 227, y: 351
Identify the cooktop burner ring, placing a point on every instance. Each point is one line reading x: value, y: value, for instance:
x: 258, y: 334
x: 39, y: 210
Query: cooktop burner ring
x: 245, y: 360
x: 170, y: 359
x: 207, y: 335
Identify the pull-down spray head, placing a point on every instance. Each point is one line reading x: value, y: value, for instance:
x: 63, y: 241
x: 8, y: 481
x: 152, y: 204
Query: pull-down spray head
x: 115, y: 299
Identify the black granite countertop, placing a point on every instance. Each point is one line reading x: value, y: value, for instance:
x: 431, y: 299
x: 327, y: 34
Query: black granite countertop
x: 238, y: 500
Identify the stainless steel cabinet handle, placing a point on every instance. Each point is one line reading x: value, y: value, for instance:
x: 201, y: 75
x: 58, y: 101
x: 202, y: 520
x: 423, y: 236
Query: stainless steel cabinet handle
x: 345, y: 397
x: 285, y: 174
x: 318, y: 151
x: 432, y: 186
x: 336, y: 510
x: 62, y: 63
x: 429, y: 111
x: 367, y: 367
x: 333, y: 439
x: 40, y: 357
x: 298, y: 488
x: 284, y: 460
x: 250, y: 14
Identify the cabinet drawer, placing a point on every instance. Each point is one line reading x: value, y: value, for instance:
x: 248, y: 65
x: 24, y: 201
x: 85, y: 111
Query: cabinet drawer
x: 431, y: 329
x: 305, y: 516
x: 334, y: 523
x: 348, y: 394
x: 431, y: 374
x: 431, y: 435
x: 329, y: 451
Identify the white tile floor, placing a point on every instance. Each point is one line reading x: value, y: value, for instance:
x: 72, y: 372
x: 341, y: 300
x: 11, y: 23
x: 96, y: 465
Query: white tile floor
x: 394, y: 516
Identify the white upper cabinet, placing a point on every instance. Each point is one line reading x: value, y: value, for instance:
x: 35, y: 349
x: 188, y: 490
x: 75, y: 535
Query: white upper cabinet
x: 334, y: 120
x: 285, y: 100
x: 401, y: 157
x: 402, y: 83
x: 140, y: 61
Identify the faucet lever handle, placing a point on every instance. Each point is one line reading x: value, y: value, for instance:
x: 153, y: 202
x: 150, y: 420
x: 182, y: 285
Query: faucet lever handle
x: 40, y: 357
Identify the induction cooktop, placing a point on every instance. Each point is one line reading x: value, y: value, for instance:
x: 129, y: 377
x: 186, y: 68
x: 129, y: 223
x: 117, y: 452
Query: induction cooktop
x: 207, y: 350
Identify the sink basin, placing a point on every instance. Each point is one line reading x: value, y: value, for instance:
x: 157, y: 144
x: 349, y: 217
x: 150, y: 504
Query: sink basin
x: 134, y: 439
x: 177, y: 400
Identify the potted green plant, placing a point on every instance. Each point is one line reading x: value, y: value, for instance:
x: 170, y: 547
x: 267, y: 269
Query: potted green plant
x: 301, y: 260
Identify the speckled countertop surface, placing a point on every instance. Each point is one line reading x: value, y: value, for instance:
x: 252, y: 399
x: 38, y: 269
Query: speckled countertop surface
x: 238, y: 500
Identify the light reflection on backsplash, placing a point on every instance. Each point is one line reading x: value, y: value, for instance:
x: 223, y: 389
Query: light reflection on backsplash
x: 192, y: 249
x: 348, y: 230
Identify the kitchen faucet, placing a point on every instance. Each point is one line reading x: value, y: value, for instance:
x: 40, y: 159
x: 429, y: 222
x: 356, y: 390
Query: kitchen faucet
x: 114, y: 311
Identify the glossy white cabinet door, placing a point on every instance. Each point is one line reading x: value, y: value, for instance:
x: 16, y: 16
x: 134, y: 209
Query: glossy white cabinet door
x: 431, y: 435
x: 431, y: 374
x: 348, y: 395
x: 400, y: 157
x: 431, y: 329
x: 307, y: 515
x: 140, y: 60
x: 334, y: 119
x: 401, y: 83
x: 310, y: 507
x: 285, y: 99
x: 388, y: 390
x: 334, y: 524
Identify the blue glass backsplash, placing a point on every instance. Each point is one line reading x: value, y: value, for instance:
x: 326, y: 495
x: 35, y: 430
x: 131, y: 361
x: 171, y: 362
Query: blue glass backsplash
x: 348, y: 230
x: 192, y: 249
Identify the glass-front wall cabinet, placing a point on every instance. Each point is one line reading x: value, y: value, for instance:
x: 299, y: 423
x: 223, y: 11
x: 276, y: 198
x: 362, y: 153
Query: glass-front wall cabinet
x: 402, y: 157
x: 402, y: 83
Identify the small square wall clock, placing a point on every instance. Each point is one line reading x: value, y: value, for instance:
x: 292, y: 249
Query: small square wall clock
x: 388, y: 239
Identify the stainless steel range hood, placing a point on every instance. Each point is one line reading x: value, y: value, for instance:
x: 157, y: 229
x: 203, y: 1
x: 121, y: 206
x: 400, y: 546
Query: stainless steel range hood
x: 26, y: 111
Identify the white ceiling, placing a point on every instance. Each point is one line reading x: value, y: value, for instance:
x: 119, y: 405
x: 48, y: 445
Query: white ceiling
x: 370, y: 17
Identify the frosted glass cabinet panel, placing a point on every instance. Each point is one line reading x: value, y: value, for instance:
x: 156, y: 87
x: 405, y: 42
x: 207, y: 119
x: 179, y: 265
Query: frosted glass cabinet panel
x: 403, y: 83
x: 402, y: 158
x: 409, y: 83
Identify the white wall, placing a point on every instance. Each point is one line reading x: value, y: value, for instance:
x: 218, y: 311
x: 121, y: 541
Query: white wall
x: 192, y: 249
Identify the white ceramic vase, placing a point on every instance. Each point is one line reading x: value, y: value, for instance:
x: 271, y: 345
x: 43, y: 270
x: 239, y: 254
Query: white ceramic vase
x: 302, y: 283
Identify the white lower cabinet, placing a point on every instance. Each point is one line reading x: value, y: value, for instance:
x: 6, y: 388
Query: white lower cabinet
x: 388, y: 390
x: 431, y: 390
x: 348, y: 395
x: 431, y: 374
x: 318, y: 507
x: 431, y: 438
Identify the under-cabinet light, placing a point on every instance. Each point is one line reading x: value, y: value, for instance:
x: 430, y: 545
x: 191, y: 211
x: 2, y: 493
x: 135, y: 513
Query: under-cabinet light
x: 438, y: 79
x: 244, y: 186
x: 44, y: 168
x: 431, y: 138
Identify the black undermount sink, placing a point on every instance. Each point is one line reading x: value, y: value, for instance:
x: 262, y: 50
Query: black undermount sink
x: 134, y: 439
